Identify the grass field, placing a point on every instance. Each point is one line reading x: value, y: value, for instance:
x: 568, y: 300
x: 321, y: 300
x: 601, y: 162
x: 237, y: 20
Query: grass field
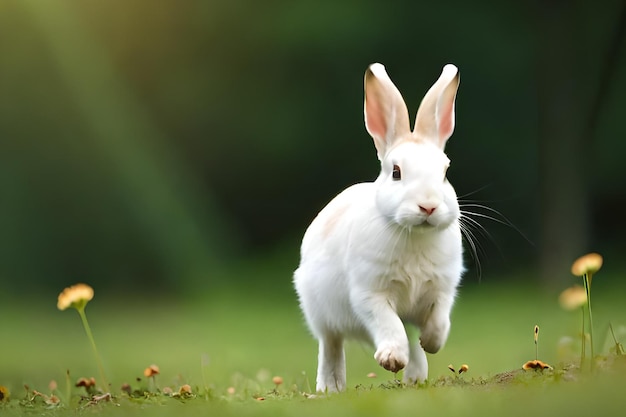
x: 238, y: 339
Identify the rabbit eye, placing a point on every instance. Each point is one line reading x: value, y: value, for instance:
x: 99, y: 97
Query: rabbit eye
x: 396, y: 174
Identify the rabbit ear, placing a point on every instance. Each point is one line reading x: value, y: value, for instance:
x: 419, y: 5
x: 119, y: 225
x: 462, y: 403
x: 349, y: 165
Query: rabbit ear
x: 435, y: 116
x: 386, y: 115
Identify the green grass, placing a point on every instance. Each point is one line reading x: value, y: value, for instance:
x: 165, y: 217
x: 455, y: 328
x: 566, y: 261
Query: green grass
x: 241, y: 338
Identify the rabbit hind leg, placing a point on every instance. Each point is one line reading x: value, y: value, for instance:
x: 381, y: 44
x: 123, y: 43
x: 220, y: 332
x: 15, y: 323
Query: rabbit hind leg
x: 416, y: 370
x: 331, y: 368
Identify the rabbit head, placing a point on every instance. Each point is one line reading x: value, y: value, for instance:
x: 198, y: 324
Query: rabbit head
x: 412, y: 188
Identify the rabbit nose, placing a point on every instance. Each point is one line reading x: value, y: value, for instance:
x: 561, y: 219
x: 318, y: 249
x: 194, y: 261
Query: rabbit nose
x: 427, y: 210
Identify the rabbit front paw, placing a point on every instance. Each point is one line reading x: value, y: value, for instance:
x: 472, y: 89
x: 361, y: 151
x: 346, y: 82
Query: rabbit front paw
x: 392, y: 357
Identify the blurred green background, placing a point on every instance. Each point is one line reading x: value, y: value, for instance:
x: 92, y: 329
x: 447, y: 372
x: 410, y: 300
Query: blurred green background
x: 161, y: 145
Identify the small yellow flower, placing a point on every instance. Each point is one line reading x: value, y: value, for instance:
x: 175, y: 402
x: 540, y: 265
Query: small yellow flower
x: 151, y: 371
x: 4, y: 393
x: 463, y: 368
x: 573, y: 297
x: 76, y: 296
x: 88, y: 383
x: 52, y: 400
x: 185, y: 390
x: 536, y: 364
x: 48, y: 399
x: 587, y: 264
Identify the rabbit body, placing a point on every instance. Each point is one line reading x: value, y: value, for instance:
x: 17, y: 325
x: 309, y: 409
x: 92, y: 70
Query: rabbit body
x: 386, y: 254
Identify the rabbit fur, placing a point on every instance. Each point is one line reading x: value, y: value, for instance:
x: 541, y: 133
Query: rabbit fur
x: 388, y: 253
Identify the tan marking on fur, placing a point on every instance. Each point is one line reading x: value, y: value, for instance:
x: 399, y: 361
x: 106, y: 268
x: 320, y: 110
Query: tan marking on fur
x: 333, y: 219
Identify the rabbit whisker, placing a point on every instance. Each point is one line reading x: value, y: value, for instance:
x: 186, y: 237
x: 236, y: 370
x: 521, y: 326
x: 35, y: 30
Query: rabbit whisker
x: 502, y: 219
x: 474, y: 192
x: 474, y: 244
x: 471, y: 227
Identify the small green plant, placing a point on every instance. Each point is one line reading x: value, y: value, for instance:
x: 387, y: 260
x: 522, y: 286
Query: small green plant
x: 77, y: 296
x: 618, y: 348
x: 204, y: 364
x: 536, y: 337
x: 151, y: 372
x: 462, y: 369
x: 586, y: 266
x: 536, y: 363
x: 573, y: 298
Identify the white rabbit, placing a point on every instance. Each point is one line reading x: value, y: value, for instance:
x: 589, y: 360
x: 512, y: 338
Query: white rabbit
x: 389, y: 252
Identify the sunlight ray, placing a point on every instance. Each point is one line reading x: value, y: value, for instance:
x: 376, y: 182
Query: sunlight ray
x: 149, y: 172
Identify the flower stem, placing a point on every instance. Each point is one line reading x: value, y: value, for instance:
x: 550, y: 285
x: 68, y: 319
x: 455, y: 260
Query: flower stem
x: 83, y: 316
x: 583, y: 340
x: 587, y: 281
x: 619, y: 349
x: 68, y: 387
